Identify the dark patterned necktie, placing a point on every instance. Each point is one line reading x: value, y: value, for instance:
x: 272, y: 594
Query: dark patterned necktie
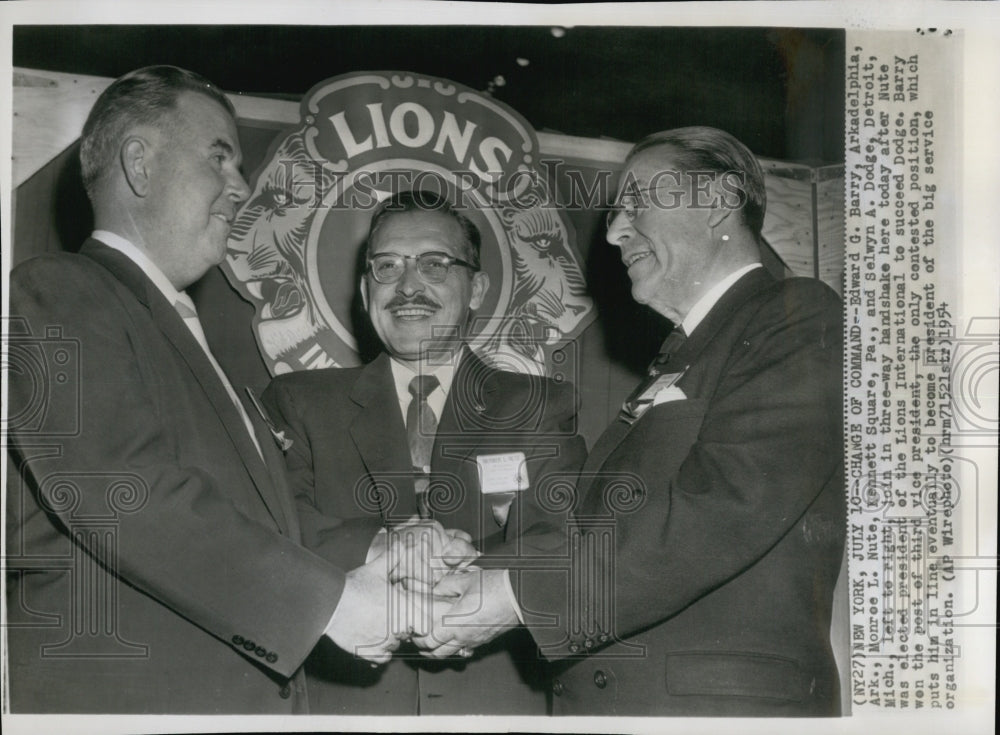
x: 421, y: 426
x: 634, y: 405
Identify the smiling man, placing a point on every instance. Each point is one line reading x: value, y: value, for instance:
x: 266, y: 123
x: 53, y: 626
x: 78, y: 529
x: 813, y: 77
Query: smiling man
x: 426, y: 429
x: 710, y: 525
x: 153, y: 559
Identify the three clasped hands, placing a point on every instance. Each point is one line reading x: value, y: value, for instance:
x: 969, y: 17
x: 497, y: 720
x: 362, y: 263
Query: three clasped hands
x: 435, y: 596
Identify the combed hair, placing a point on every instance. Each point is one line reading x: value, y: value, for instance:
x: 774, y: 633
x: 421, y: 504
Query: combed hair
x: 141, y: 97
x: 709, y: 149
x: 422, y: 200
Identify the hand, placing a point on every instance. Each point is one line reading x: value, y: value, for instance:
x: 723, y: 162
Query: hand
x: 421, y: 552
x: 368, y: 622
x: 459, y: 552
x: 470, y: 607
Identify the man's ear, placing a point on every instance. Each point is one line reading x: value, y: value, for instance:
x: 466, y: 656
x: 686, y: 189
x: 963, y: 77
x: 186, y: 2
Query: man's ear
x: 135, y: 158
x: 480, y: 285
x: 720, y: 210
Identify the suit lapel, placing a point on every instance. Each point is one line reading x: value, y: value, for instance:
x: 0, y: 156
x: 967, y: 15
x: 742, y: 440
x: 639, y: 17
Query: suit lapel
x: 460, y: 436
x: 282, y: 509
x: 380, y: 436
x: 470, y: 398
x: 176, y: 332
x: 720, y: 314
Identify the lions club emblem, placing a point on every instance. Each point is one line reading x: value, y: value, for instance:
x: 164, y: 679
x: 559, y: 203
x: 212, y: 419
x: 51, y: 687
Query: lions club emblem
x: 294, y: 248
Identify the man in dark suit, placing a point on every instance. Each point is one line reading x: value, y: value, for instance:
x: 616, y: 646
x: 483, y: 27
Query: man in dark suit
x: 153, y: 558
x: 710, y: 526
x: 494, y: 439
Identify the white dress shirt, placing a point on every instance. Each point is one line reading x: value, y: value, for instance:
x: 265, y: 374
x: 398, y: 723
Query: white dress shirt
x: 704, y: 305
x: 402, y: 374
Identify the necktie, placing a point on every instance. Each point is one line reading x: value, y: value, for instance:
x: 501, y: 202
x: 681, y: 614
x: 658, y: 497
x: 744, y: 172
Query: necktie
x: 636, y: 404
x: 421, y: 426
x: 192, y: 322
x: 671, y: 344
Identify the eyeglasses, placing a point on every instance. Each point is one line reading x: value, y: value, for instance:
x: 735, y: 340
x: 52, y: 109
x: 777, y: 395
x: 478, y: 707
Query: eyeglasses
x: 630, y: 203
x: 433, y: 267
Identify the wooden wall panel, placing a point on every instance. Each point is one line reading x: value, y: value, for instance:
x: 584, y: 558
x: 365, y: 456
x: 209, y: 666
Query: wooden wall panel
x: 788, y: 223
x: 830, y: 230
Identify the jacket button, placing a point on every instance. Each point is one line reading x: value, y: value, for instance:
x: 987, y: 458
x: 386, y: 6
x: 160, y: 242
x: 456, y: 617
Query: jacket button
x: 271, y: 658
x: 249, y: 645
x: 600, y: 680
x: 286, y: 692
x: 604, y: 637
x: 574, y: 647
x: 238, y: 640
x: 260, y: 651
x: 588, y: 643
x: 557, y: 688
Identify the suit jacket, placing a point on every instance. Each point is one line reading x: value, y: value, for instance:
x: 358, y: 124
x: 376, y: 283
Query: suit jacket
x: 154, y: 562
x: 350, y: 460
x: 710, y: 531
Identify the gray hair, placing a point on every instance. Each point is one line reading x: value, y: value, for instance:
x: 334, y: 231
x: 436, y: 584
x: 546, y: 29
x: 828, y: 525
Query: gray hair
x: 141, y: 97
x: 710, y: 149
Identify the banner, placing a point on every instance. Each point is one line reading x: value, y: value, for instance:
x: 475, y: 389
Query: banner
x: 294, y: 248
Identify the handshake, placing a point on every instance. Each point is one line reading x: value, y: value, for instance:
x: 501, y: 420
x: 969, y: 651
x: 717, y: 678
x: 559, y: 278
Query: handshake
x: 420, y: 585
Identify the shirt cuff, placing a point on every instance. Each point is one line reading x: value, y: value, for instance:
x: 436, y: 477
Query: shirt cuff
x: 377, y: 547
x: 513, y: 598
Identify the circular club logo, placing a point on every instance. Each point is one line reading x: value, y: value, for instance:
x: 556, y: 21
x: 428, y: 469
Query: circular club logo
x: 294, y: 249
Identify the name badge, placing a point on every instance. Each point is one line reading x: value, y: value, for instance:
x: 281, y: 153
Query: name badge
x: 502, y: 473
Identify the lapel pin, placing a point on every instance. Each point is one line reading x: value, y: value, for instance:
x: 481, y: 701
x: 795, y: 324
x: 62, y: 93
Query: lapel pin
x: 279, y: 436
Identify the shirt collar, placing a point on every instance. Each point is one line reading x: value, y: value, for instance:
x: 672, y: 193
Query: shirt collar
x: 147, y: 266
x: 402, y: 374
x: 706, y: 302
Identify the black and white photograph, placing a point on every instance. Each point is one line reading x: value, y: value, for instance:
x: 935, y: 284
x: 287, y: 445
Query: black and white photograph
x: 495, y: 367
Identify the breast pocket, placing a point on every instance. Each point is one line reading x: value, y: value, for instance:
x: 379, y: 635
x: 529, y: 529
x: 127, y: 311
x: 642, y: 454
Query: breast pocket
x: 662, y: 438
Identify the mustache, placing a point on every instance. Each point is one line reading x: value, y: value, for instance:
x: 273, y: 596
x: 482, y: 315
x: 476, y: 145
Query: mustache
x: 398, y: 302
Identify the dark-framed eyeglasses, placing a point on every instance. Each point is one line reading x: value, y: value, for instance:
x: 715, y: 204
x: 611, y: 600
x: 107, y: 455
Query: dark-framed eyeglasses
x: 630, y: 203
x: 433, y: 267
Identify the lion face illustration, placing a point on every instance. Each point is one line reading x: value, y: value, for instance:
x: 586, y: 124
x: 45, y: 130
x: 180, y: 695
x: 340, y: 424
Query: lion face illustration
x: 550, y: 287
x: 267, y: 242
x: 549, y: 297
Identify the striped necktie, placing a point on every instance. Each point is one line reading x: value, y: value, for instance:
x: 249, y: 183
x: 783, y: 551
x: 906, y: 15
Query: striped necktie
x: 421, y: 427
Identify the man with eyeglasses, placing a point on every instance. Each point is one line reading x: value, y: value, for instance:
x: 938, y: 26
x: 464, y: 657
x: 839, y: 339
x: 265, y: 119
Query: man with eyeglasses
x: 426, y: 430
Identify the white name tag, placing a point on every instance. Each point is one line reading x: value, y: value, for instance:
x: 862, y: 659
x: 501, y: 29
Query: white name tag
x: 502, y: 473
